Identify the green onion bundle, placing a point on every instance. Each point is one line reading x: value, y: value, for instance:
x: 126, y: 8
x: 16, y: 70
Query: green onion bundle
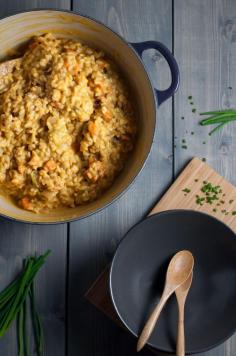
x: 14, y: 304
x: 219, y: 118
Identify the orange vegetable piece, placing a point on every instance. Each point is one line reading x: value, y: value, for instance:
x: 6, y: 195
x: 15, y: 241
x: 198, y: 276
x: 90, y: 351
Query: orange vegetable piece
x: 92, y: 128
x: 66, y: 63
x: 50, y: 165
x: 25, y: 203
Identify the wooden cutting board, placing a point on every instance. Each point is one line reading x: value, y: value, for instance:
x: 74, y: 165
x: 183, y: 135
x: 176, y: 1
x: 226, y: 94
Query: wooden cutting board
x: 191, y: 178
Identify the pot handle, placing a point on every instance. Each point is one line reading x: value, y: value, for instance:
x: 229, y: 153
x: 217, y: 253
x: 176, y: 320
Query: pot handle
x: 162, y: 95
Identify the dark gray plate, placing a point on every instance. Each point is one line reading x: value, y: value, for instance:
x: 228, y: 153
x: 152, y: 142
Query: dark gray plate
x: 138, y: 273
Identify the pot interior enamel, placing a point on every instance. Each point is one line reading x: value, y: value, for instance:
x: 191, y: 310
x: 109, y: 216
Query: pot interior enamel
x: 18, y: 29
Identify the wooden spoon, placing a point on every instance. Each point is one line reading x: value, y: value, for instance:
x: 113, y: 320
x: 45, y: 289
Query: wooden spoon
x: 181, y: 295
x: 7, y: 66
x: 179, y: 269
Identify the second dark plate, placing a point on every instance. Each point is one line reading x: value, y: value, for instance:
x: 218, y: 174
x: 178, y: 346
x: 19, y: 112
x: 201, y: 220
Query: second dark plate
x: 138, y: 273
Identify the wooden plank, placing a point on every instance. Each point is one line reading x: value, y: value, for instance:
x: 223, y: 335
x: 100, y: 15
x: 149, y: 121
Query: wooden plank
x: 93, y: 240
x: 9, y: 7
x: 19, y: 240
x: 205, y: 49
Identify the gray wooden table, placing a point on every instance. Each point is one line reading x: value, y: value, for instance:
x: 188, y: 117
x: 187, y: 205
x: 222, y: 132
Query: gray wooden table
x: 202, y: 35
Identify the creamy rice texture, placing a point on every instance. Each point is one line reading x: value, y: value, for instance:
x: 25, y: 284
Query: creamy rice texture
x: 66, y: 125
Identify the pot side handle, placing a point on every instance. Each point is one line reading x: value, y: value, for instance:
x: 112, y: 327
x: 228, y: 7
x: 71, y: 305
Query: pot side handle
x: 162, y: 95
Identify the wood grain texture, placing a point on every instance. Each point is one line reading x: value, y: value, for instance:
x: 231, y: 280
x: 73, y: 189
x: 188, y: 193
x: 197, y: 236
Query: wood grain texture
x: 93, y: 241
x: 205, y: 48
x: 9, y: 7
x: 20, y: 240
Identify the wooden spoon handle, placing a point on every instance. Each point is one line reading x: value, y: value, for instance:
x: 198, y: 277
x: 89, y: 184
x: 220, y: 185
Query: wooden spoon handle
x: 180, y: 338
x: 149, y: 326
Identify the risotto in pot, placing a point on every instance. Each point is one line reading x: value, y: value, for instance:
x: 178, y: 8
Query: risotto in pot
x: 66, y: 125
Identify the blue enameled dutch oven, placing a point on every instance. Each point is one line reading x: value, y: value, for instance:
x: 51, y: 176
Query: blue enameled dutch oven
x: 15, y: 30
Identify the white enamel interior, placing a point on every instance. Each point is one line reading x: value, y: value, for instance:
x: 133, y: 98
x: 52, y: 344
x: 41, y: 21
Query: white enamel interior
x: 17, y: 29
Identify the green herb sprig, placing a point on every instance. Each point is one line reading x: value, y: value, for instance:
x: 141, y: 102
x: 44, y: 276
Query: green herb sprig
x: 13, y: 305
x: 219, y: 118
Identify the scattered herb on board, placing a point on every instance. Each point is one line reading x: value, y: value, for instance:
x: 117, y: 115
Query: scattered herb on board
x: 210, y: 194
x: 184, y: 147
x: 186, y: 190
x: 191, y: 102
x: 14, y: 302
x: 199, y: 200
x: 218, y: 118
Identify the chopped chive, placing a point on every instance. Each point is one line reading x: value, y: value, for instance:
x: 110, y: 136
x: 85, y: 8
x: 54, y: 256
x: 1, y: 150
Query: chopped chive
x: 233, y: 212
x: 38, y: 331
x: 186, y: 190
x: 231, y: 201
x: 20, y: 333
x: 184, y: 147
x: 25, y: 336
x: 218, y: 117
x: 194, y: 110
x: 217, y: 128
x: 192, y: 132
x: 190, y: 97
